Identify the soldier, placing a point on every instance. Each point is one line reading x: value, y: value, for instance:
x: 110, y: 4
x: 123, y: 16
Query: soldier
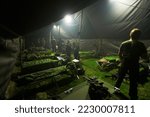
x: 129, y: 53
x: 68, y: 50
x: 53, y: 43
x: 60, y: 44
x: 76, y: 50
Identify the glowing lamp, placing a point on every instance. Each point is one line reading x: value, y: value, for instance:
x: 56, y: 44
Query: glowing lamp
x: 68, y: 19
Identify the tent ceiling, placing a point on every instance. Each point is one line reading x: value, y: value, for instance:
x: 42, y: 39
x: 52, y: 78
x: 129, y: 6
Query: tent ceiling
x: 19, y: 17
x: 111, y: 19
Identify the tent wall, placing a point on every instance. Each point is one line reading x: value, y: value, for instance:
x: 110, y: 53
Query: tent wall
x: 105, y: 46
x: 8, y: 56
x: 36, y: 38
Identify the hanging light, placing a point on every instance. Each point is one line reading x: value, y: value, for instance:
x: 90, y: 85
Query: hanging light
x: 54, y: 26
x: 68, y: 19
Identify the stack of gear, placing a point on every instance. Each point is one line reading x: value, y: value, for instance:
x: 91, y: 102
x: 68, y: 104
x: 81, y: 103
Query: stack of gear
x: 75, y: 67
x: 107, y: 65
x: 97, y: 91
x: 144, y: 73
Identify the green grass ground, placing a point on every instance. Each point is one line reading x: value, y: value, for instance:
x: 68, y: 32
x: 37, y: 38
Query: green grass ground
x: 91, y: 69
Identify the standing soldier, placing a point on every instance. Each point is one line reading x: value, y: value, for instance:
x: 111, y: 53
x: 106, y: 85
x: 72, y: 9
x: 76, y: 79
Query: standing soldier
x: 129, y: 53
x: 60, y: 44
x: 53, y: 43
x: 68, y: 50
x: 76, y: 50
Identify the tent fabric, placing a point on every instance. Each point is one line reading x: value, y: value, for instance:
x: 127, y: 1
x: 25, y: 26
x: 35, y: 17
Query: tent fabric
x: 8, y: 56
x: 105, y: 19
x: 105, y: 47
x: 114, y: 19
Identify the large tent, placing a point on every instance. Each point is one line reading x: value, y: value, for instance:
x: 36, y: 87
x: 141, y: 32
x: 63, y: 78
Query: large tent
x: 100, y: 26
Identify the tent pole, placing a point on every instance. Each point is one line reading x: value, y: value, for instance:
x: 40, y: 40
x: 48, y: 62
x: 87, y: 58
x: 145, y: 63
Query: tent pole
x: 101, y: 43
x: 80, y: 24
x: 50, y: 39
x: 59, y: 32
x: 20, y: 53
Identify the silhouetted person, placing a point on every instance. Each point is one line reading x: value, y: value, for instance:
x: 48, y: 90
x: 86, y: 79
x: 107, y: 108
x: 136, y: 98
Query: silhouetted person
x: 53, y: 44
x: 60, y: 44
x: 76, y: 50
x: 68, y: 50
x: 129, y: 53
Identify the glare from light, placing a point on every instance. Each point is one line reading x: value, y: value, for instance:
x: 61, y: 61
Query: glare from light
x: 118, y: 7
x: 58, y: 27
x: 128, y: 2
x: 112, y: 0
x: 54, y: 26
x: 68, y: 19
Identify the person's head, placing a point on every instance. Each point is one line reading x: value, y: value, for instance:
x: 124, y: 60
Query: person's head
x: 135, y: 34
